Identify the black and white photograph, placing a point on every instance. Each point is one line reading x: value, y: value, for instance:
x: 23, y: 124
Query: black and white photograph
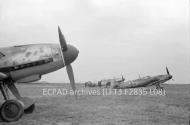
x: 94, y: 62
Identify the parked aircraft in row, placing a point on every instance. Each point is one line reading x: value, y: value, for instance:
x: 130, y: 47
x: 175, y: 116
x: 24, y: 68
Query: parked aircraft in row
x: 28, y: 63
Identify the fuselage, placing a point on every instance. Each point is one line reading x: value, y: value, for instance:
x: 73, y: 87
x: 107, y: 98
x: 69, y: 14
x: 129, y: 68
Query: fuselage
x: 105, y: 82
x: 20, y: 62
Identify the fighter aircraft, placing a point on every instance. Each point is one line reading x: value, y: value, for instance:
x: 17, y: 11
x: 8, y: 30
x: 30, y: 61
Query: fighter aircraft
x: 111, y: 82
x: 89, y: 84
x: 146, y: 81
x: 27, y: 63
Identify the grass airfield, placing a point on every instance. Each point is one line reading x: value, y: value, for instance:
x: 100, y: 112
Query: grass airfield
x: 171, y: 109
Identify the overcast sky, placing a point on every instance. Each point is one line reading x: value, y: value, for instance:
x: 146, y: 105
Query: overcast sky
x: 114, y: 37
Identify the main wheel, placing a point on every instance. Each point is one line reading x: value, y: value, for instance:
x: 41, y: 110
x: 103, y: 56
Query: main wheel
x: 11, y: 110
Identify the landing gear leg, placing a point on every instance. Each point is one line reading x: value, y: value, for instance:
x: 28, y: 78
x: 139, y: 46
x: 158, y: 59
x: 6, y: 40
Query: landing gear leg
x: 11, y: 110
x: 28, y: 103
x: 4, y: 91
x: 159, y: 87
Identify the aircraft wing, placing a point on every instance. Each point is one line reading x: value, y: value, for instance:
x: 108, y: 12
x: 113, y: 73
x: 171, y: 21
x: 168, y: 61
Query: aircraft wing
x: 156, y: 83
x: 3, y: 76
x: 124, y: 85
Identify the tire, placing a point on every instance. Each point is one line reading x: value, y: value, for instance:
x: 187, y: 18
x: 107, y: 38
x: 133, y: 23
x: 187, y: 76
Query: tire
x: 11, y: 110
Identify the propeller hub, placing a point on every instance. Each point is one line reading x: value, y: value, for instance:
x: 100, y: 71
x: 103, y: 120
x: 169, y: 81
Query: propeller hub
x: 71, y: 54
x: 170, y: 76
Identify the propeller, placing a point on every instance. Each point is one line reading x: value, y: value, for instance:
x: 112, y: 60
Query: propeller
x: 69, y: 54
x: 71, y: 76
x: 169, y: 73
x: 123, y: 79
x: 62, y: 41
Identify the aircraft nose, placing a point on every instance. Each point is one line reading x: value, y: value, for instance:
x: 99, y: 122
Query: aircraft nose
x: 170, y: 76
x: 71, y: 54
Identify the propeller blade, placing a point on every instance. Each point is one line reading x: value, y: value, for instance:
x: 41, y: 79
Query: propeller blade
x: 71, y: 76
x: 167, y: 71
x: 62, y: 40
x: 69, y: 68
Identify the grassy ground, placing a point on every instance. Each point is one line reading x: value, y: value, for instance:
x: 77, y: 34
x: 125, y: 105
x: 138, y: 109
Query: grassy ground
x: 171, y: 109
